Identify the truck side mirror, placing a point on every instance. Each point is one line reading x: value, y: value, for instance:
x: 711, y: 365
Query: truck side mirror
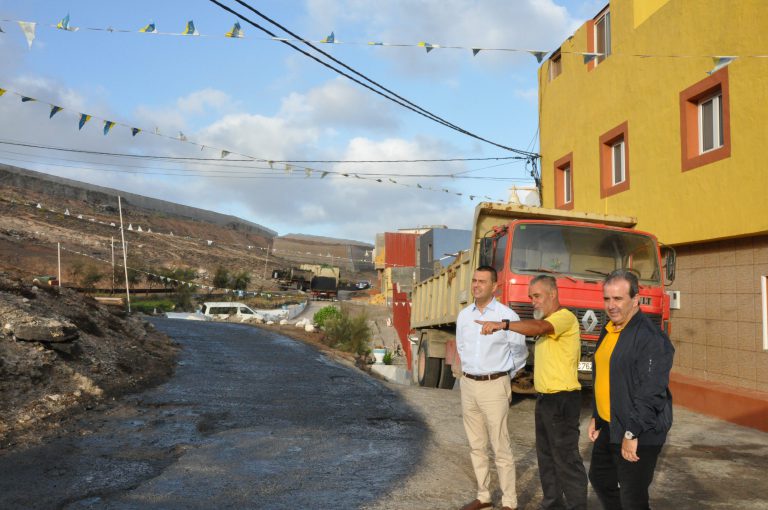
x: 486, y: 251
x: 669, y: 258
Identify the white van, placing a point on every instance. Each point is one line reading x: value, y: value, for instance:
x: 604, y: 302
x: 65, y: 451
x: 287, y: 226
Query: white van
x: 227, y: 309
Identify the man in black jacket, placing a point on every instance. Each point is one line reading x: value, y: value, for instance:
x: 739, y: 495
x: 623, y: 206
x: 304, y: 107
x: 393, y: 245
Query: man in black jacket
x: 632, y: 403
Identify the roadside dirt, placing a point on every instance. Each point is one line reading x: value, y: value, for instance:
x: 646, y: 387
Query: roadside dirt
x: 62, y: 353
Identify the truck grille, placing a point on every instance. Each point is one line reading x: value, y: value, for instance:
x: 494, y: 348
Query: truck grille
x: 525, y: 311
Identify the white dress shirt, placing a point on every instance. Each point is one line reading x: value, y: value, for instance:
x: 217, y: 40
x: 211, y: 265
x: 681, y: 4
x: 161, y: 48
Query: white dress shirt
x: 502, y: 351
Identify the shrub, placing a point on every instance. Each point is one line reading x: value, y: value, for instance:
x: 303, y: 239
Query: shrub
x: 348, y: 333
x: 322, y: 316
x: 388, y: 358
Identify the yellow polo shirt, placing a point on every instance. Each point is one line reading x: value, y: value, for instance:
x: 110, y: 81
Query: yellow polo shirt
x: 603, y: 376
x: 556, y: 355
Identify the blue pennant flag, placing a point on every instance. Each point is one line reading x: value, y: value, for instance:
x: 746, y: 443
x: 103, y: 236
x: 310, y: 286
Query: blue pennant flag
x: 236, y: 31
x: 135, y: 131
x: 83, y: 119
x: 107, y: 126
x: 330, y: 39
x: 149, y: 29
x: 54, y: 110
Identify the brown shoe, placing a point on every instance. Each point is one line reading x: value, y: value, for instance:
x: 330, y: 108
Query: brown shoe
x: 476, y: 505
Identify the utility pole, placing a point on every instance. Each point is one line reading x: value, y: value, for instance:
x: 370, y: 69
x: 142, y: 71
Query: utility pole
x: 125, y: 254
x: 58, y: 250
x: 112, y: 278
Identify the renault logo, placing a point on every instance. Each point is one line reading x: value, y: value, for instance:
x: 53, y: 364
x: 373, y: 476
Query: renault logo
x: 589, y: 321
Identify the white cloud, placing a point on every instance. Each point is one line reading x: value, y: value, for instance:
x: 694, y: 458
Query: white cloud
x: 520, y: 24
x: 531, y: 94
x: 340, y: 103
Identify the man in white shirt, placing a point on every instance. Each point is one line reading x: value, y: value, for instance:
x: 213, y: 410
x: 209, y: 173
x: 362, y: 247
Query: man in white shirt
x: 488, y: 362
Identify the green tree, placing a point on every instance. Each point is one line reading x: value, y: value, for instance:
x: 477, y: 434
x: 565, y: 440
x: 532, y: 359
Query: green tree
x: 221, y: 278
x: 91, y: 276
x: 241, y: 280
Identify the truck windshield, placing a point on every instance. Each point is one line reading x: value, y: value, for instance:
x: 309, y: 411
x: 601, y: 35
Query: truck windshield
x: 582, y: 252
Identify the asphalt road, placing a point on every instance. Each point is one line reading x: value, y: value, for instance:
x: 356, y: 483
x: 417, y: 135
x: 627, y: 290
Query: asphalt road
x: 250, y: 420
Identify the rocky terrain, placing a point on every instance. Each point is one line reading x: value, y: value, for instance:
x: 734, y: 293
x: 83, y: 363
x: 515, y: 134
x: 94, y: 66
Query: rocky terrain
x: 62, y: 352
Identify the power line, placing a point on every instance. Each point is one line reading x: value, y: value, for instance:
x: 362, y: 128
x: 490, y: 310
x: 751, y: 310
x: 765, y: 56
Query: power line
x: 396, y: 99
x: 181, y: 158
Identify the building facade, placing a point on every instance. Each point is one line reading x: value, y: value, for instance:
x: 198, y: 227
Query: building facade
x: 653, y: 109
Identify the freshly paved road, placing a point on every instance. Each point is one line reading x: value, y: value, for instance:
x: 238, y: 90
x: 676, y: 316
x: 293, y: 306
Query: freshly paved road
x: 250, y: 420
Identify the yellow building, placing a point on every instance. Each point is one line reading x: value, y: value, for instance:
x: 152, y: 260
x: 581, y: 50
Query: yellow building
x: 638, y: 119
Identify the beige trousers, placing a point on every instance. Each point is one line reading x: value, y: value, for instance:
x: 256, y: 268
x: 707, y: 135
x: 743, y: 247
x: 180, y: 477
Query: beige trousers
x: 485, y: 406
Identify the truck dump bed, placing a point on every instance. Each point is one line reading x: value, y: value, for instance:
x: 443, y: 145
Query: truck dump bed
x: 436, y: 301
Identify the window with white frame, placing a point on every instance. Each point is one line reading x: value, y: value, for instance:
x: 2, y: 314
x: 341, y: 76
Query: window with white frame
x: 603, y: 35
x: 711, y: 123
x: 764, y: 289
x: 618, y: 162
x: 567, y: 188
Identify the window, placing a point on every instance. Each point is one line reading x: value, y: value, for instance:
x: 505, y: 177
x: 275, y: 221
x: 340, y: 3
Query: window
x: 764, y: 292
x: 564, y: 182
x: 603, y: 35
x: 705, y: 131
x: 711, y: 123
x: 614, y: 161
x: 618, y: 172
x: 599, y: 37
x: 555, y: 65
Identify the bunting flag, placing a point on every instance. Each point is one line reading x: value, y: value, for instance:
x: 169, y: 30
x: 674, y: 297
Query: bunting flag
x: 538, y: 54
x: 720, y: 62
x: 149, y: 29
x: 307, y: 172
x: 190, y: 30
x: 236, y: 32
x: 107, y: 126
x: 28, y: 27
x: 83, y: 119
x: 224, y: 154
x: 64, y: 25
x: 331, y: 39
x: 54, y: 110
x: 24, y: 99
x: 475, y: 51
x: 135, y: 131
x: 427, y: 46
x: 1, y: 30
x: 182, y: 137
x: 2, y: 91
x: 589, y: 57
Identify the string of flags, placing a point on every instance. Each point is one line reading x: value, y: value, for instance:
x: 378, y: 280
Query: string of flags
x: 28, y: 28
x: 248, y: 248
x: 308, y: 172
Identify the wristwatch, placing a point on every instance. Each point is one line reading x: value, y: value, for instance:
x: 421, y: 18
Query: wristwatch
x: 629, y: 435
x: 506, y: 324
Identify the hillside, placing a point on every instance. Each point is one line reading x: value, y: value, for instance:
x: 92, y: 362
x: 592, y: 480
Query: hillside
x: 37, y: 211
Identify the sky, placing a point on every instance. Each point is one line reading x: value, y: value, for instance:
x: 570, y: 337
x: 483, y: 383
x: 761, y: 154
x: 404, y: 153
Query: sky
x: 259, y: 98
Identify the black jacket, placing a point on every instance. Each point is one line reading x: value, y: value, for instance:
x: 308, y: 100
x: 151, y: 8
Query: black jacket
x: 640, y: 398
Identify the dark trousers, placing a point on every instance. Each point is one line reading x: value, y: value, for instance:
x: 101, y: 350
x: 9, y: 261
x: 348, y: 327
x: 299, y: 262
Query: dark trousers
x: 561, y: 470
x: 620, y: 484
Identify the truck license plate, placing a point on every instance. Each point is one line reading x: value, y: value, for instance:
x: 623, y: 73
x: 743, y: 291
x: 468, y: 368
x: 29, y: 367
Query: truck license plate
x: 585, y: 366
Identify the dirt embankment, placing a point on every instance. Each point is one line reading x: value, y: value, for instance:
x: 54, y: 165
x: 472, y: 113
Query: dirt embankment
x: 62, y: 353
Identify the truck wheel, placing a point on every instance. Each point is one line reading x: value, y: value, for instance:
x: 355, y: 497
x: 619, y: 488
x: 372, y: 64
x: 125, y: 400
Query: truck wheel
x: 429, y: 368
x: 447, y: 380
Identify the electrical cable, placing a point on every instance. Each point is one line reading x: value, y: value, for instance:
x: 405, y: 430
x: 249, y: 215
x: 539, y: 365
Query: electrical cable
x: 401, y: 101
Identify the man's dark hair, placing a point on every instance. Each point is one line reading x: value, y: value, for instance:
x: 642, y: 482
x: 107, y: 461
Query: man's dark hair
x: 626, y: 275
x: 547, y: 280
x: 489, y: 269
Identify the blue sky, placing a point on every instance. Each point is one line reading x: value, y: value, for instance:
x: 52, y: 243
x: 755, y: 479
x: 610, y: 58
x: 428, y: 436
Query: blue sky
x: 258, y: 97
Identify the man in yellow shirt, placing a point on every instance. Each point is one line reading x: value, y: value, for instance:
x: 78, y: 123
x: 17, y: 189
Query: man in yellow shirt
x: 558, y: 401
x: 633, y: 405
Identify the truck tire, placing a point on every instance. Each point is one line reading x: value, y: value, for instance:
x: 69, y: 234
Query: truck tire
x: 447, y: 380
x: 428, y: 368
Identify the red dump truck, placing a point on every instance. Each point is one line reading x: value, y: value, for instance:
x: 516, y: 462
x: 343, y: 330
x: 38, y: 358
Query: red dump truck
x: 578, y: 249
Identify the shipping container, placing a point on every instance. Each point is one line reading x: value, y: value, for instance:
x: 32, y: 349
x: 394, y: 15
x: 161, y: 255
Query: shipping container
x: 400, y: 249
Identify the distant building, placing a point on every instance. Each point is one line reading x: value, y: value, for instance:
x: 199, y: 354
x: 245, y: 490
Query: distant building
x: 649, y: 125
x: 438, y: 246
